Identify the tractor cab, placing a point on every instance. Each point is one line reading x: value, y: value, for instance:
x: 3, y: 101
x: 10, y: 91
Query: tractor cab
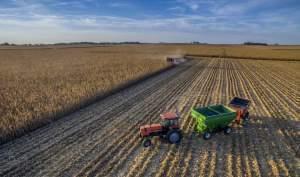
x: 169, y: 120
x: 168, y: 129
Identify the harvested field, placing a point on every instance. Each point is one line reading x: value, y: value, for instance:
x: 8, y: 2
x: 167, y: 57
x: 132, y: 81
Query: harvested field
x: 94, y: 142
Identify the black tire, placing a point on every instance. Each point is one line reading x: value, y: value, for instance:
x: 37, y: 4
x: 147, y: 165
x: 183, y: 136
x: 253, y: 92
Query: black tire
x: 147, y: 142
x: 174, y: 136
x: 207, y: 135
x: 246, y: 117
x: 227, y: 130
x: 162, y: 137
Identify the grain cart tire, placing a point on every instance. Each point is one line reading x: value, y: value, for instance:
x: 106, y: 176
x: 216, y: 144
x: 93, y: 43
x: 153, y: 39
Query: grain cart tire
x: 174, y: 136
x: 147, y: 142
x: 227, y: 130
x: 206, y: 135
x: 246, y: 117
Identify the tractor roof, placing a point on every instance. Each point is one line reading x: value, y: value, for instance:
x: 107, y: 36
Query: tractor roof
x: 169, y: 115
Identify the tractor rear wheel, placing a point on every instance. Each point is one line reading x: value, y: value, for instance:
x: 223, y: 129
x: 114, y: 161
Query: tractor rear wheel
x: 147, y: 142
x: 174, y: 136
x: 206, y: 135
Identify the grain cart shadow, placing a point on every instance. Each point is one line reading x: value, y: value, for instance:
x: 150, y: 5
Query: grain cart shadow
x: 284, y: 131
x: 276, y: 144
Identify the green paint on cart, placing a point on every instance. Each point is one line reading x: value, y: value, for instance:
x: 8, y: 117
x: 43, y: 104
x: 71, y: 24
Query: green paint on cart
x: 211, y: 118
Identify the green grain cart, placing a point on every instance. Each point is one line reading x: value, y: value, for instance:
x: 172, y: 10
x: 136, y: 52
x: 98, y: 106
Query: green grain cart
x: 213, y: 118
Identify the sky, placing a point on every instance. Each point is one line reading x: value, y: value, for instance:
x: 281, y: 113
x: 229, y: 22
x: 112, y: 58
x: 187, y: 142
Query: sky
x: 210, y: 21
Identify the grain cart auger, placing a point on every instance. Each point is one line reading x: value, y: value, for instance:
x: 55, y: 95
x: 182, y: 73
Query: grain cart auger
x: 167, y: 129
x: 210, y: 119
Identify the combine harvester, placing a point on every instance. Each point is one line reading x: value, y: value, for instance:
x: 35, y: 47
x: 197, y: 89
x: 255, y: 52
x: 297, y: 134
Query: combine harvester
x: 219, y: 117
x: 176, y: 60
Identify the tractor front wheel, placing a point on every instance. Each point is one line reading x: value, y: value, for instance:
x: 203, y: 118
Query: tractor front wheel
x: 174, y: 136
x: 206, y: 135
x: 147, y: 142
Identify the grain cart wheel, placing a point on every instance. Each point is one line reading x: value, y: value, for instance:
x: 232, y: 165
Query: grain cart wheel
x: 174, y: 136
x: 147, y: 142
x: 246, y: 117
x: 206, y: 135
x: 227, y: 130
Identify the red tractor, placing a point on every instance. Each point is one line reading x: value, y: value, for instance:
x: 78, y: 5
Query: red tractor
x: 168, y: 129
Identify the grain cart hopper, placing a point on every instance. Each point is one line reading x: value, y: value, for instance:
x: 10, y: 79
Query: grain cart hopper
x: 213, y: 118
x: 168, y: 129
x: 219, y: 117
